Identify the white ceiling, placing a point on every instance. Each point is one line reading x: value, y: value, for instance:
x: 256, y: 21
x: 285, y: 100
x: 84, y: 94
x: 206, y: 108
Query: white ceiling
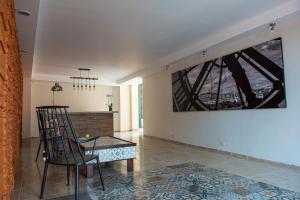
x: 121, y: 39
x: 26, y: 27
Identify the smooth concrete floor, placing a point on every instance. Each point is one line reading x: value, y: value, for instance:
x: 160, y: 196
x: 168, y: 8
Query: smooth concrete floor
x: 151, y: 153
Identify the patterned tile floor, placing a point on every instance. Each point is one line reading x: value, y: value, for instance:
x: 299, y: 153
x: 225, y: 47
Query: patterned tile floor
x: 186, y: 181
x: 151, y: 154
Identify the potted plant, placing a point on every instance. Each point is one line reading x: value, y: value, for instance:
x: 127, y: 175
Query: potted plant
x: 109, y: 102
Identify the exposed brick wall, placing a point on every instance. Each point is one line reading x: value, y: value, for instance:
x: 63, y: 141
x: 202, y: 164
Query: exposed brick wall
x: 10, y: 98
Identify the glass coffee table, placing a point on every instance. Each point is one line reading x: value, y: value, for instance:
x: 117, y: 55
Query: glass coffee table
x: 110, y: 149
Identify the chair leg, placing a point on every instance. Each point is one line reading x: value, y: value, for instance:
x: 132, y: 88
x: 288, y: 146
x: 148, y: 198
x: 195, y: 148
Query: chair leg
x: 38, y: 152
x: 68, y: 174
x: 100, y: 174
x: 77, y: 182
x: 44, y: 180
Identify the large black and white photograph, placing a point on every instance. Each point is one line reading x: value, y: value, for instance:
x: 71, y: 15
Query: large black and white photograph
x: 252, y: 78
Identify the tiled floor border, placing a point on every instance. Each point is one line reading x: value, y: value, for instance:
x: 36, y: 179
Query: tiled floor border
x: 236, y: 155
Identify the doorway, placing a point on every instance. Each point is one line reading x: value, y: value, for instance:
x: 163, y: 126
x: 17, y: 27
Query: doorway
x: 140, y: 104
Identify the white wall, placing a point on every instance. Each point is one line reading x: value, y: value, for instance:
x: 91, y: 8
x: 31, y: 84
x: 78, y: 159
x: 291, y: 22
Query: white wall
x: 272, y: 134
x: 77, y: 100
x: 134, y: 107
x: 125, y: 108
x: 26, y: 112
x: 116, y: 107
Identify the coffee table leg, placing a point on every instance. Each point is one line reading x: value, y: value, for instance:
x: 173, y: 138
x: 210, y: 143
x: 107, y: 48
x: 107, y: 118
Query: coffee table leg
x: 89, y: 171
x: 130, y: 165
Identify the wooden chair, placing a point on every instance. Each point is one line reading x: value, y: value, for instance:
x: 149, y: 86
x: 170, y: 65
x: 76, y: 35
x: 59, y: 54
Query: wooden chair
x: 61, y: 145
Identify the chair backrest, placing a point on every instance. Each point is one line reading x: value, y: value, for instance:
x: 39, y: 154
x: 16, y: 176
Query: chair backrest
x: 60, y: 141
x: 39, y: 126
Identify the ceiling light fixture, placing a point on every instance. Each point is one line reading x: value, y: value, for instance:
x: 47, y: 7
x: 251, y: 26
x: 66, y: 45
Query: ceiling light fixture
x: 272, y: 26
x: 23, y: 12
x: 84, y: 81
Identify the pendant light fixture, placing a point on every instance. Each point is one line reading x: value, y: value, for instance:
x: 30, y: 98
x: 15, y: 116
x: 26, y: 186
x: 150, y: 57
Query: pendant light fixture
x: 56, y: 88
x: 84, y: 81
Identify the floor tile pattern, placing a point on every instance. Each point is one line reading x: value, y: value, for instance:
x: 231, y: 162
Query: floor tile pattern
x: 152, y: 153
x: 190, y: 181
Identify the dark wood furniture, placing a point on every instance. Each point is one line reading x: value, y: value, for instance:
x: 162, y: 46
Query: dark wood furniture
x: 110, y: 149
x: 95, y: 123
x: 61, y: 145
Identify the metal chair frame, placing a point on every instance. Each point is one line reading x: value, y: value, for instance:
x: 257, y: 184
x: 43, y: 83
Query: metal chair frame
x: 40, y: 137
x: 61, y: 145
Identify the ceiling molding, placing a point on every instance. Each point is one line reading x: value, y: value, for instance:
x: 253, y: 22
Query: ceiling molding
x: 66, y: 79
x: 231, y: 32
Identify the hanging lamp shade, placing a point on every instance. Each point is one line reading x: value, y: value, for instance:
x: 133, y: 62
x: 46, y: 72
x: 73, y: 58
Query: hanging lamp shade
x: 56, y: 88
